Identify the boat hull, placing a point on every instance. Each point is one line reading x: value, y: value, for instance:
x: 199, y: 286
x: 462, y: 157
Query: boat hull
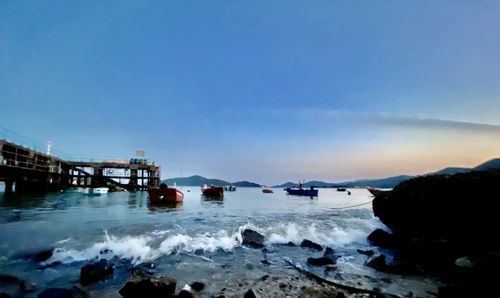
x: 214, y: 191
x: 165, y: 196
x: 99, y: 191
x: 302, y: 192
x: 267, y: 190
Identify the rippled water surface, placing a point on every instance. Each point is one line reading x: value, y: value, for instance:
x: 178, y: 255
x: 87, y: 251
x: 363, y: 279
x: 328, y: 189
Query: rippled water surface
x: 199, y: 239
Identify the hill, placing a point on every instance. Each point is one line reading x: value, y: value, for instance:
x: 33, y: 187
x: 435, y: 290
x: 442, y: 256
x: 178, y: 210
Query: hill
x: 388, y: 182
x: 245, y: 184
x: 489, y: 165
x: 195, y: 180
x: 285, y: 185
x: 451, y: 171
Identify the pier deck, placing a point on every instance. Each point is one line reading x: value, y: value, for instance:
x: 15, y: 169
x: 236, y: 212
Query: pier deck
x: 32, y: 170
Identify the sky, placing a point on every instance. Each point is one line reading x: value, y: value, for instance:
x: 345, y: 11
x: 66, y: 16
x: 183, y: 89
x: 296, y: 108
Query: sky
x: 267, y: 91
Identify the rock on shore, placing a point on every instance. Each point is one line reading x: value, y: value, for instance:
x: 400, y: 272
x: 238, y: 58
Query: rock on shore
x: 437, y: 220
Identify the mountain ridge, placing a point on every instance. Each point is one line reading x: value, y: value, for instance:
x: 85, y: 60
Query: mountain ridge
x: 387, y: 182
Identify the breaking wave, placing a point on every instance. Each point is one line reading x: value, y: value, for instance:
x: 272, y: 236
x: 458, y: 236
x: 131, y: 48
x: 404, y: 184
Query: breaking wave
x: 146, y: 248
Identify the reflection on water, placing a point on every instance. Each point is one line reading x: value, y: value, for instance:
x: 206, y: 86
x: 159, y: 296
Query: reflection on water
x: 167, y: 207
x: 212, y: 201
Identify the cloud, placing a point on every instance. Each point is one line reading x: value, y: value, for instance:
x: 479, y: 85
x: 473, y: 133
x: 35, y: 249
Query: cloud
x: 384, y: 119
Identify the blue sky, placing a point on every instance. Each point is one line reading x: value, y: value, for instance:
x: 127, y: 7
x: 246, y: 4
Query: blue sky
x: 268, y: 91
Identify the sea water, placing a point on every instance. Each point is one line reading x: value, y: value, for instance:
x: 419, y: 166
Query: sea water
x: 197, y: 240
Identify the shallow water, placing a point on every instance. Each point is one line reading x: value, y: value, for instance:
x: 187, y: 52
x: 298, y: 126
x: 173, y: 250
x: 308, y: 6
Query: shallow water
x: 199, y: 239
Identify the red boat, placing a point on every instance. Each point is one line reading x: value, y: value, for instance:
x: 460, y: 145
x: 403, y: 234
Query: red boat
x: 165, y: 195
x: 212, y: 191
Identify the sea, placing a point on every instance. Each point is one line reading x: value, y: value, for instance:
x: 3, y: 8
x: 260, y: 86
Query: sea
x: 197, y: 240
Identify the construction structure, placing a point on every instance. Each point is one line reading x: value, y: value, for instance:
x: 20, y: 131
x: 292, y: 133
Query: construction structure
x: 26, y: 170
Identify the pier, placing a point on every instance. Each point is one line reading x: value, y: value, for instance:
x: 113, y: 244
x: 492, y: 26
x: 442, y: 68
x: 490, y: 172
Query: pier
x: 24, y: 169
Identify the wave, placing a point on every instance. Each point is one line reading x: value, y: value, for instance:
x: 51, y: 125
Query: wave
x: 147, y: 248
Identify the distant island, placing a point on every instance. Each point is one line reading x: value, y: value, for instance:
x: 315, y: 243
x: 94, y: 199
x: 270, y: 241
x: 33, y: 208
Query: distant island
x: 389, y: 182
x: 197, y: 180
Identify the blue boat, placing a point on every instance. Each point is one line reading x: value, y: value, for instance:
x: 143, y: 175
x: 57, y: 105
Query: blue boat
x: 299, y: 191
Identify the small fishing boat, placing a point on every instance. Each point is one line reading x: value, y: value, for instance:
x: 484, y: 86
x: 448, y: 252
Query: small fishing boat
x: 230, y: 188
x: 341, y: 189
x: 165, y: 195
x: 266, y: 189
x: 97, y: 191
x: 299, y: 191
x: 212, y: 191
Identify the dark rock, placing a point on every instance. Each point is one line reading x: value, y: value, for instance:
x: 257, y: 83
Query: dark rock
x: 252, y: 238
x: 329, y: 252
x: 291, y: 244
x: 141, y: 284
x: 185, y: 294
x: 27, y: 286
x: 105, y: 251
x: 42, y: 256
x: 265, y: 277
x: 265, y: 262
x: 9, y: 279
x: 309, y: 244
x: 449, y: 207
x: 383, y: 239
x: 377, y: 263
x: 367, y: 252
x: 79, y: 291
x: 56, y: 293
x: 250, y: 294
x: 197, y: 286
x: 321, y: 261
x: 96, y: 272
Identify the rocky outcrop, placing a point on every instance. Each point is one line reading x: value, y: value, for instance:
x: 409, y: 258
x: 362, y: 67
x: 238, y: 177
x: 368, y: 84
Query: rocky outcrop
x: 328, y: 258
x: 252, y: 238
x: 453, y: 208
x: 96, y: 272
x: 197, y: 286
x: 141, y: 284
x: 436, y: 220
x: 312, y: 245
x: 383, y: 239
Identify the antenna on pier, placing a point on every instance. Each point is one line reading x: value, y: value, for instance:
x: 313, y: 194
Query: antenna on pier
x: 49, y: 144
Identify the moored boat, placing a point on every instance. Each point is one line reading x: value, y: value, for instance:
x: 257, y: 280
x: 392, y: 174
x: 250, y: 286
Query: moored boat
x: 165, y: 195
x: 99, y: 191
x: 266, y: 189
x: 212, y: 191
x: 341, y: 189
x: 230, y: 188
x: 298, y: 191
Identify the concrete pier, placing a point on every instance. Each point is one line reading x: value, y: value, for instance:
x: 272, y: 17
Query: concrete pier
x: 28, y: 170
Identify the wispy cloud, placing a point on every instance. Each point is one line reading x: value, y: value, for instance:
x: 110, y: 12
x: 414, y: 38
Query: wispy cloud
x: 384, y: 119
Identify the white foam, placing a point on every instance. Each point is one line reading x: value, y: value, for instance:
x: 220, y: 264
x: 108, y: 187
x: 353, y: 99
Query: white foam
x: 64, y: 241
x: 294, y: 233
x: 146, y: 248
x: 160, y: 232
x: 206, y: 242
x: 139, y: 249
